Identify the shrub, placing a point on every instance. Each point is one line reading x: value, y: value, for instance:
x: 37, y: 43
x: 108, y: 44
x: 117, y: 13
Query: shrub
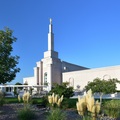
x: 56, y: 114
x: 112, y: 108
x: 44, y: 100
x: 69, y: 103
x: 33, y: 102
x: 26, y: 114
x: 63, y: 89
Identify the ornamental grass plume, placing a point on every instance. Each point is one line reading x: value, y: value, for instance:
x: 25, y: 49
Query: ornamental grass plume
x: 81, y: 106
x: 61, y: 99
x: 54, y: 99
x: 26, y: 97
x: 58, y: 102
x: 50, y: 99
x: 19, y: 98
x: 81, y: 99
x: 92, y: 106
x: 88, y: 103
x: 88, y: 95
x: 95, y: 110
x: 97, y: 104
x: 26, y: 113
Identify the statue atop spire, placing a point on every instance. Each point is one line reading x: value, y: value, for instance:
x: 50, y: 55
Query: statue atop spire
x: 50, y: 20
x: 50, y: 26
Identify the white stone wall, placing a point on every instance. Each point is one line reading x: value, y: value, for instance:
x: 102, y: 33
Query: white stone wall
x: 47, y: 69
x: 81, y: 78
x: 57, y: 71
x: 52, y: 66
x: 29, y: 80
x: 39, y: 79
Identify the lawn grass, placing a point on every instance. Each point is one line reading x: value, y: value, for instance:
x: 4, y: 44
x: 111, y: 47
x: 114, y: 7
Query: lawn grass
x: 9, y: 100
x: 72, y: 102
x: 67, y: 103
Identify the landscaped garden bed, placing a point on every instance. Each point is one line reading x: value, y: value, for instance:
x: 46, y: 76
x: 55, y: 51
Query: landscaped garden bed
x: 10, y: 112
x: 58, y: 106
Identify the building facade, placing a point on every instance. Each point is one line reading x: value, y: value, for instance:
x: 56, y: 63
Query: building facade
x: 52, y: 70
x: 49, y: 70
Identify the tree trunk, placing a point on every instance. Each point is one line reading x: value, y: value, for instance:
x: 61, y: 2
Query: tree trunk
x: 101, y: 94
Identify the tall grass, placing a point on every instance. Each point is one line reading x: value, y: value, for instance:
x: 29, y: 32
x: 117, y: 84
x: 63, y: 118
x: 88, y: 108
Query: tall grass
x: 56, y: 114
x: 2, y: 100
x: 26, y: 114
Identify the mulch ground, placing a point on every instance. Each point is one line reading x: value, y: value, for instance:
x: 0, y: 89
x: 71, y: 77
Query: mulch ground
x: 9, y: 112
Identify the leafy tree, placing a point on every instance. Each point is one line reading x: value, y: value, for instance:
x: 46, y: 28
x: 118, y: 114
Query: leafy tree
x: 15, y: 88
x: 8, y: 63
x: 63, y: 89
x: 19, y: 84
x: 102, y: 86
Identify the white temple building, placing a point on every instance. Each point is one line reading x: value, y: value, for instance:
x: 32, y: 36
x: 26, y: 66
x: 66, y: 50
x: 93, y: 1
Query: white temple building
x: 51, y: 69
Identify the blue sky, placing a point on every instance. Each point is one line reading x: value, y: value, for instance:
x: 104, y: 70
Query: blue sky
x: 87, y: 32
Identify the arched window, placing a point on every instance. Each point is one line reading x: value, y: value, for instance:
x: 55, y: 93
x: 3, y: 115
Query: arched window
x: 71, y: 82
x: 45, y: 77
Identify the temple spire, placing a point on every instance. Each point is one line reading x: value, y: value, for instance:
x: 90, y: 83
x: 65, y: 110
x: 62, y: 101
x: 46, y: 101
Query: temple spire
x: 50, y: 37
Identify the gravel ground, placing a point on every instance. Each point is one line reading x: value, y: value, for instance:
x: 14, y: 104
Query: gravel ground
x: 9, y: 112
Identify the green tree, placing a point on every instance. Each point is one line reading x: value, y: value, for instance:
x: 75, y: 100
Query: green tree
x: 15, y: 88
x: 102, y: 86
x: 18, y: 83
x: 63, y: 89
x: 8, y: 63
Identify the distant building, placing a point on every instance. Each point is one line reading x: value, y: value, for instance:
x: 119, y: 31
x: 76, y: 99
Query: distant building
x: 52, y: 70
